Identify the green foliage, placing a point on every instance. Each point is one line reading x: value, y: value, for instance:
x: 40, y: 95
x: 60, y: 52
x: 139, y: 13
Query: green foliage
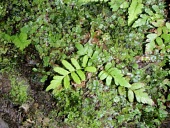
x: 138, y: 89
x: 158, y: 40
x: 134, y: 10
x: 97, y: 32
x: 152, y: 15
x: 19, y: 91
x: 116, y: 4
x: 115, y: 73
x: 21, y: 41
x: 74, y: 70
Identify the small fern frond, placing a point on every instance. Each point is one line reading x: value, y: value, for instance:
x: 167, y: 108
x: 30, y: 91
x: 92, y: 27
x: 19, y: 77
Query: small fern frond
x: 109, y: 73
x: 134, y: 10
x: 73, y: 72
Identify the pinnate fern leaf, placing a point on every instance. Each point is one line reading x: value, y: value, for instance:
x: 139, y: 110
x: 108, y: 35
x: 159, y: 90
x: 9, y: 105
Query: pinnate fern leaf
x: 138, y: 90
x: 21, y: 41
x: 143, y: 97
x: 109, y: 73
x: 134, y: 10
x: 71, y: 71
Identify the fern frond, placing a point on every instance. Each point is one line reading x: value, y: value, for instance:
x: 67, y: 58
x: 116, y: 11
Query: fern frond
x: 134, y: 10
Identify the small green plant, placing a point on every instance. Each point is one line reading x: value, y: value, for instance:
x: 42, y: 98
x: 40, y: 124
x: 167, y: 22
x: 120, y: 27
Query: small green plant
x: 136, y: 89
x: 115, y: 73
x: 116, y: 4
x: 21, y: 41
x: 134, y: 10
x: 158, y: 40
x: 73, y: 70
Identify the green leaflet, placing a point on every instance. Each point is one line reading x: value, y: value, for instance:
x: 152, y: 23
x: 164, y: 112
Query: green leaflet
x: 130, y: 95
x: 143, y: 97
x: 75, y: 63
x: 61, y: 71
x: 58, y: 78
x: 119, y: 79
x: 21, y: 41
x: 81, y: 74
x: 85, y: 59
x: 68, y: 66
x: 134, y: 10
x: 103, y: 75
x: 115, y: 4
x: 75, y: 78
x: 137, y: 86
x: 54, y: 84
x: 67, y: 82
x: 121, y: 90
x: 108, y: 66
x: 108, y: 80
x: 90, y: 69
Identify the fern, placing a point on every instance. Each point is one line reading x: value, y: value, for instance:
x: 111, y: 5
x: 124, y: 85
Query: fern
x: 137, y: 90
x: 21, y: 41
x: 71, y: 71
x: 115, y: 4
x: 134, y: 10
x: 109, y: 73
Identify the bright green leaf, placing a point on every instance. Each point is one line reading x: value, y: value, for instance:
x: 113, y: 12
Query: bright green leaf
x: 103, y: 75
x: 121, y: 90
x: 53, y: 85
x: 149, y: 47
x: 81, y: 74
x: 134, y: 10
x: 68, y: 66
x: 58, y: 78
x: 61, y: 71
x: 151, y: 37
x: 67, y: 82
x: 85, y: 59
x: 143, y: 97
x: 109, y: 80
x: 168, y: 25
x: 90, y: 69
x: 130, y: 95
x: 137, y: 86
x: 75, y: 78
x: 75, y: 63
x: 108, y: 66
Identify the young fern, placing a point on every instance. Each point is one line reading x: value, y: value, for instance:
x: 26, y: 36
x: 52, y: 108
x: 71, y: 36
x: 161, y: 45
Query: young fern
x: 133, y: 90
x: 71, y: 71
x: 134, y: 10
x: 109, y: 73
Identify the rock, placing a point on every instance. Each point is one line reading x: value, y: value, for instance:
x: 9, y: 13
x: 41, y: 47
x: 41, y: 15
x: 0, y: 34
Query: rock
x: 3, y: 124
